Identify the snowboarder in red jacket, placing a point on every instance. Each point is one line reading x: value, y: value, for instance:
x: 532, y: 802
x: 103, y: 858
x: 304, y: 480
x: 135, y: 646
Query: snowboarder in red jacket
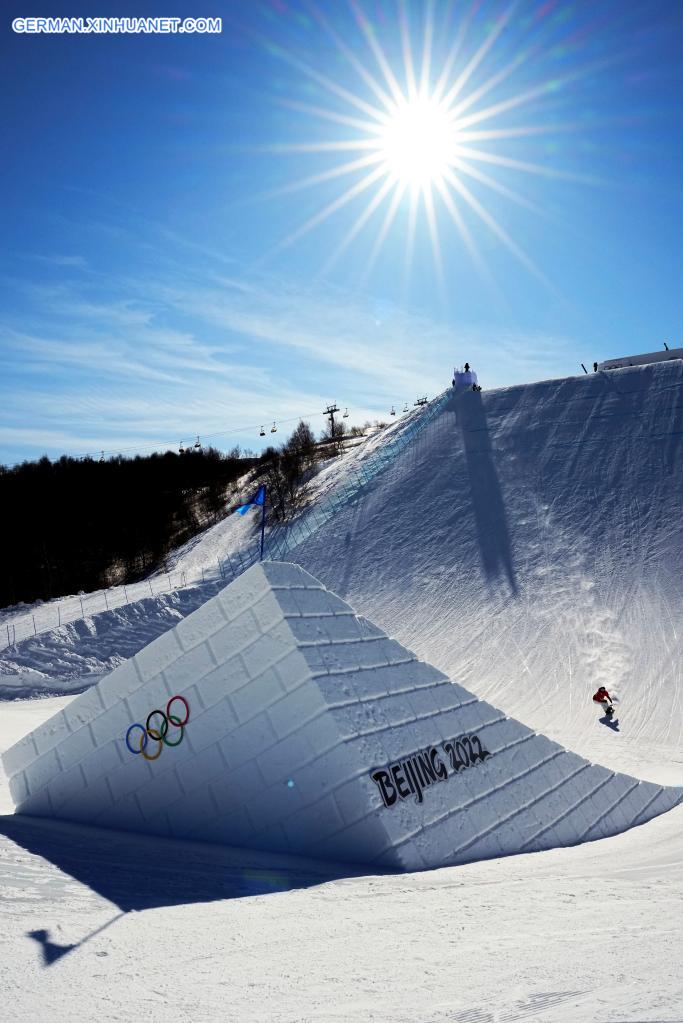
x: 605, y: 700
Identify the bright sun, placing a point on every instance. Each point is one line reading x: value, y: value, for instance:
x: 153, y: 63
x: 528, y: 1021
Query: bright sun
x: 417, y: 144
x: 427, y: 132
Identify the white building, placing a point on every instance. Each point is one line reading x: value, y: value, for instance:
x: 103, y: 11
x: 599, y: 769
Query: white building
x: 642, y: 360
x: 464, y: 377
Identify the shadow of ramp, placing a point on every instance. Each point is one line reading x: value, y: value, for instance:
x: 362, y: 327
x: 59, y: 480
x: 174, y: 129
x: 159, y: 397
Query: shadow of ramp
x: 487, y: 498
x: 137, y: 872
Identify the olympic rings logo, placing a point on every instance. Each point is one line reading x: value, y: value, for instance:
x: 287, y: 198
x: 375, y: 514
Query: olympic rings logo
x: 159, y: 734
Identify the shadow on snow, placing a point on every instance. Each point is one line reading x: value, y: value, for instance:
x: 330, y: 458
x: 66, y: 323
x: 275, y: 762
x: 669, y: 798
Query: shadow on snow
x: 137, y: 872
x: 487, y: 498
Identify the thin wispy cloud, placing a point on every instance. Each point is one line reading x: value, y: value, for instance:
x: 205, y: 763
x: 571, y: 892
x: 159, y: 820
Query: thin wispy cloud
x: 331, y: 205
x: 117, y: 363
x: 65, y: 262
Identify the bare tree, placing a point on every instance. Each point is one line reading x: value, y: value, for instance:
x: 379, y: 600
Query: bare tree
x: 286, y: 470
x: 302, y: 441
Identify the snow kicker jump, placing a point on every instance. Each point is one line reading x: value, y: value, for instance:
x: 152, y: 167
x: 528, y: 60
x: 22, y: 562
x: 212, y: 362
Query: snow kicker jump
x: 275, y: 718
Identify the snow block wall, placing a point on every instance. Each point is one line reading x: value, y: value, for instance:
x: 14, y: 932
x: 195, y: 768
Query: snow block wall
x: 275, y: 718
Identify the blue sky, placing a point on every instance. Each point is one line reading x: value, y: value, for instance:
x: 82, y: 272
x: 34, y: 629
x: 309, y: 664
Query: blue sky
x: 202, y: 233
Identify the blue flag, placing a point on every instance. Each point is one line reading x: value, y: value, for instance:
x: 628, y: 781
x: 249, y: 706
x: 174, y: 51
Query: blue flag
x: 257, y: 501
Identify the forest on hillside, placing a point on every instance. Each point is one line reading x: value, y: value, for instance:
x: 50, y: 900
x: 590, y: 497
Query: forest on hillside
x: 79, y: 524
x: 82, y: 524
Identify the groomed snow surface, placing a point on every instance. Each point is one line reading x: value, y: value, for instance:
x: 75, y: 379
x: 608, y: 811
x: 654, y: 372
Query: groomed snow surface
x: 529, y: 545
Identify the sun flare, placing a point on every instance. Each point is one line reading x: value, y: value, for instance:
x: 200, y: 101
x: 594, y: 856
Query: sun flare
x: 418, y: 143
x: 426, y: 136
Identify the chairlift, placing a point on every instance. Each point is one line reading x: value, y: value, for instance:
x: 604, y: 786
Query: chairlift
x: 393, y: 411
x: 102, y: 457
x: 405, y: 407
x: 181, y: 449
x: 197, y: 445
x: 262, y: 433
x: 273, y: 428
x: 346, y: 414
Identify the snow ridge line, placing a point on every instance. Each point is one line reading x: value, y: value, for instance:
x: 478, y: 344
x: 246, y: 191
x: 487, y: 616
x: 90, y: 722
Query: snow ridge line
x: 286, y: 537
x: 525, y: 806
x: 574, y: 806
x: 608, y: 811
x: 649, y: 803
x: 109, y: 599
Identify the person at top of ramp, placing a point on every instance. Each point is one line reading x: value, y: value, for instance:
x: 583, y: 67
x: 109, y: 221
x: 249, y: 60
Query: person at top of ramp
x: 465, y: 377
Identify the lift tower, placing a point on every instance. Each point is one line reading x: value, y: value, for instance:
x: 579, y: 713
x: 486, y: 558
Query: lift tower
x: 329, y: 412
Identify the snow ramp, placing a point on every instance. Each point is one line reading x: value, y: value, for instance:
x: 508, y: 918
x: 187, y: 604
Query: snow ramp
x: 275, y: 718
x: 529, y: 544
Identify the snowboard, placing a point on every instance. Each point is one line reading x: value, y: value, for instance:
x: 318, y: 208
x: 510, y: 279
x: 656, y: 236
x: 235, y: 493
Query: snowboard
x: 611, y: 716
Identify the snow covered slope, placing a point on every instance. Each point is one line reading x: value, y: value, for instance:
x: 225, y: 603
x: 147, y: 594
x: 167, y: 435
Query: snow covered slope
x: 258, y: 937
x: 530, y: 545
x: 297, y: 727
x: 72, y: 657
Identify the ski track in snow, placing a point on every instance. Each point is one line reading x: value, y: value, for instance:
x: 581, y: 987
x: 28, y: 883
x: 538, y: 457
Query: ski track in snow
x: 529, y: 545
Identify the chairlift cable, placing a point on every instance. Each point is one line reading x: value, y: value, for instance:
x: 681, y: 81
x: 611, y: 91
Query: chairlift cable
x: 153, y: 448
